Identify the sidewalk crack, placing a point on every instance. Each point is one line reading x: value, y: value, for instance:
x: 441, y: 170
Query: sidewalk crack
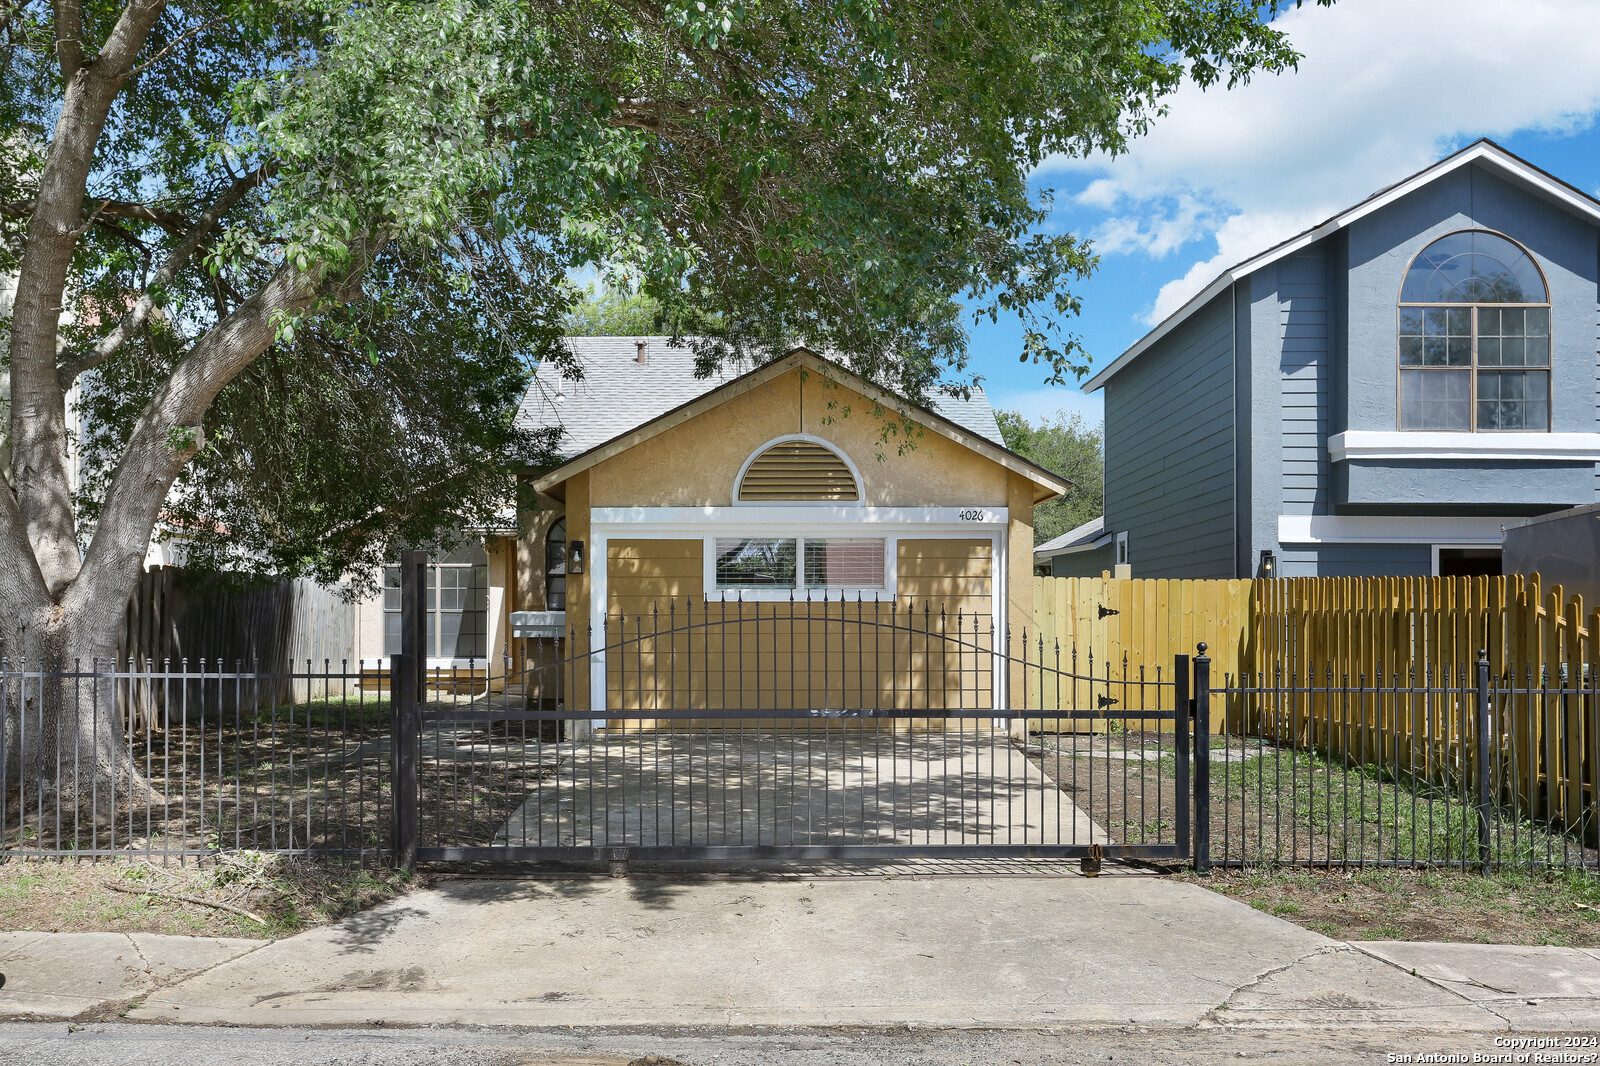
x: 1321, y: 949
x: 1411, y: 972
x: 134, y: 944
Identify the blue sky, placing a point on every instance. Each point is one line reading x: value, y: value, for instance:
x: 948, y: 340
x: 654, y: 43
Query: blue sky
x: 1386, y: 88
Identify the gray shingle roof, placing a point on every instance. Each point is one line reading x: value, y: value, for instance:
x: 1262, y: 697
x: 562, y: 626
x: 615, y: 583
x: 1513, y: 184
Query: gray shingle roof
x: 1078, y: 537
x: 617, y: 393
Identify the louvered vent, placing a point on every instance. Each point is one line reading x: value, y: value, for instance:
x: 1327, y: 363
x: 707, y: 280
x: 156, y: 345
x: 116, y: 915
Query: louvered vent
x: 797, y: 470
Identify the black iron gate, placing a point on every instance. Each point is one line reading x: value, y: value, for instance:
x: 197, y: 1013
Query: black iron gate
x: 803, y: 729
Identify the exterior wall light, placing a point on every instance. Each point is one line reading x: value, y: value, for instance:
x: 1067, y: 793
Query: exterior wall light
x: 574, y: 556
x: 1269, y: 564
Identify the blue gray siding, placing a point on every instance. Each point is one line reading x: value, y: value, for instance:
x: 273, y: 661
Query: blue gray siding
x: 1306, y: 380
x: 1169, y: 450
x: 1082, y: 564
x: 1381, y: 246
x: 1357, y: 560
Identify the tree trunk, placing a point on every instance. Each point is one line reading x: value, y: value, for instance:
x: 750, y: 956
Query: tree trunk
x: 63, y: 733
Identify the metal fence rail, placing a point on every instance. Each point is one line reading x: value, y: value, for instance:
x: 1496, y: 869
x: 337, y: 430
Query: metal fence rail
x: 1461, y: 768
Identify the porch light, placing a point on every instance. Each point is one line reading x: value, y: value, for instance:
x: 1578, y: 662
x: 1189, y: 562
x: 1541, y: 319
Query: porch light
x: 574, y: 556
x: 1269, y: 564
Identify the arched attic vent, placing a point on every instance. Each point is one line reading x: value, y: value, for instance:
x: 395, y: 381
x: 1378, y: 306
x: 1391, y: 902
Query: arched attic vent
x: 797, y: 469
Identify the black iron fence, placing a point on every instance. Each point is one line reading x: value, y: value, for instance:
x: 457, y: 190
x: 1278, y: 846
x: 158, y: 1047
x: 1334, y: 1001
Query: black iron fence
x: 289, y: 760
x: 802, y: 730
x: 1462, y: 768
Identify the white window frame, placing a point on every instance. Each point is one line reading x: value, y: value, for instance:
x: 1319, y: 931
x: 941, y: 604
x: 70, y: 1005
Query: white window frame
x: 799, y: 590
x: 1119, y: 557
x: 431, y: 661
x: 798, y: 520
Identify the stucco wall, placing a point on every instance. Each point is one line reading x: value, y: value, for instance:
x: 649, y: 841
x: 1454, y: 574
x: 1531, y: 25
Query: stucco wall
x: 695, y: 464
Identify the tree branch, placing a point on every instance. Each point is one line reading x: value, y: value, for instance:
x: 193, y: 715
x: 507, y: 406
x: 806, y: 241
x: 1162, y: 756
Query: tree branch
x: 9, y: 10
x: 169, y: 432
x: 159, y: 56
x: 69, y: 38
x: 171, y: 221
x: 139, y: 313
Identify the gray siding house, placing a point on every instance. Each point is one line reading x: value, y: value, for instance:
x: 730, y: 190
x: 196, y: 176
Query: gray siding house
x: 1380, y: 395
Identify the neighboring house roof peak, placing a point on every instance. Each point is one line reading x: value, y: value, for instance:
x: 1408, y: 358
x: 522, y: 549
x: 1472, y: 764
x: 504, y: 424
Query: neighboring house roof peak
x: 1482, y: 150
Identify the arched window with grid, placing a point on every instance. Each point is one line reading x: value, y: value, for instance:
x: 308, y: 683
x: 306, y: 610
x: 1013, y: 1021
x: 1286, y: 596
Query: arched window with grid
x: 1474, y: 337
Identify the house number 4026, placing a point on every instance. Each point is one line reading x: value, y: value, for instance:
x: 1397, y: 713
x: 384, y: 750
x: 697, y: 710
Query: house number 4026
x: 972, y: 514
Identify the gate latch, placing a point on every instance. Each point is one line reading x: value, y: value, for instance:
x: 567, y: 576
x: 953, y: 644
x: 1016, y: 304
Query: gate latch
x: 1107, y: 701
x: 1090, y: 863
x: 1108, y: 611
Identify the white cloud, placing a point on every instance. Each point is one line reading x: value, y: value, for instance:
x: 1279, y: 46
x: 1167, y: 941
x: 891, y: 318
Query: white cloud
x: 1038, y: 404
x: 1386, y: 87
x: 1156, y: 237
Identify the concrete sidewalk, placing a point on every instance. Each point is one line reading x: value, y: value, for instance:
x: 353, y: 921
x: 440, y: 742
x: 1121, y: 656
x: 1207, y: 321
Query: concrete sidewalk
x: 939, y: 952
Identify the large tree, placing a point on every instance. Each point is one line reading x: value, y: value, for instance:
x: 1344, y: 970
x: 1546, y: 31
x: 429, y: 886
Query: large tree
x: 231, y: 220
x: 1068, y: 445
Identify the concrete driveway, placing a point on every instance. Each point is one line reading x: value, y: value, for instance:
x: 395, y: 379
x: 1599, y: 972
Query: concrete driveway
x: 805, y: 787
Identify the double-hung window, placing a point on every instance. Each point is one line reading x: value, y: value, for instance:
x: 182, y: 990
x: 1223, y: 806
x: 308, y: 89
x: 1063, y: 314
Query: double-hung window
x: 455, y: 602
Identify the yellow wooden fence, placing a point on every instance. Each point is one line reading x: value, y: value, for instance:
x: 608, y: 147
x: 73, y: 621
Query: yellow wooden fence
x: 1112, y: 633
x: 1368, y: 644
x: 1380, y: 639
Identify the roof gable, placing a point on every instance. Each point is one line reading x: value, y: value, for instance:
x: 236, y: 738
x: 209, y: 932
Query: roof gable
x: 1484, y: 152
x: 1048, y: 484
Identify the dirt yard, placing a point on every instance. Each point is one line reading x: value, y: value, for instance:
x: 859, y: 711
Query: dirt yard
x: 243, y: 895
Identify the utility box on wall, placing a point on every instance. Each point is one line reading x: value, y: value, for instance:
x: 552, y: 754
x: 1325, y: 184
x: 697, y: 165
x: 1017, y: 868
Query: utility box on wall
x: 1562, y: 548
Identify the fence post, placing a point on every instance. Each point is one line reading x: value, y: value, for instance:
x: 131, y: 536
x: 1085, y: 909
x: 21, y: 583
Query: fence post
x: 1202, y: 763
x: 1481, y: 725
x: 1183, y: 713
x: 405, y: 689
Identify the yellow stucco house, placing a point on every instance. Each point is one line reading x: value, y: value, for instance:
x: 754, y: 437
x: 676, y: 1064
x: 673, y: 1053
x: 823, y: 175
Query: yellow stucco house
x: 795, y: 480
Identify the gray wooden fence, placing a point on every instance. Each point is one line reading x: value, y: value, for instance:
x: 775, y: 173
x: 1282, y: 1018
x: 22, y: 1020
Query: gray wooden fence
x: 288, y: 629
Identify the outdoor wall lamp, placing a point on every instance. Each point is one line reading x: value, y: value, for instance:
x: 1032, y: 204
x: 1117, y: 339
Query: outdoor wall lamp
x: 1269, y: 564
x: 574, y: 556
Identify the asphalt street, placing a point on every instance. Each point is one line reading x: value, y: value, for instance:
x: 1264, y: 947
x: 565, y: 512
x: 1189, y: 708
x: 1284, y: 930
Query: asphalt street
x: 123, y: 1044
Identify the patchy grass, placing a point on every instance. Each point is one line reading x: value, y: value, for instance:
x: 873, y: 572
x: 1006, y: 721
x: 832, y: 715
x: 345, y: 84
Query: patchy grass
x: 1509, y: 907
x: 1272, y: 804
x: 289, y: 895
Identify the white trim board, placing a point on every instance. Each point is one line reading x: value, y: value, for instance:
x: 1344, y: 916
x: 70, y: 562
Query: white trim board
x: 1456, y: 531
x: 1483, y: 150
x: 1400, y: 444
x: 795, y: 518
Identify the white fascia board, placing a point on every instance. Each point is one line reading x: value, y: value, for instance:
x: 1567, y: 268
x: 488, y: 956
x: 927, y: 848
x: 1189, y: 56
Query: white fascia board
x: 1102, y: 541
x: 1394, y: 444
x: 793, y: 519
x: 1568, y: 197
x: 1391, y: 529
